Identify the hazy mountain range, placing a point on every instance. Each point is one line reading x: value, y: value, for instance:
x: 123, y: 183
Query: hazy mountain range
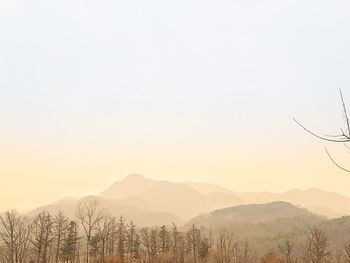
x: 151, y: 202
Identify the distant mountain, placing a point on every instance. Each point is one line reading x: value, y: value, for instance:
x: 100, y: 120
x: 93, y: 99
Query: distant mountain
x: 131, y: 185
x: 206, y: 188
x: 319, y: 201
x: 177, y: 198
x: 316, y: 200
x: 253, y: 214
x: 149, y: 202
x: 153, y: 202
x: 129, y: 209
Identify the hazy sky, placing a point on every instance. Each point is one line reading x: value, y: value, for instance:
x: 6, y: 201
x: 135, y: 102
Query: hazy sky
x: 91, y: 91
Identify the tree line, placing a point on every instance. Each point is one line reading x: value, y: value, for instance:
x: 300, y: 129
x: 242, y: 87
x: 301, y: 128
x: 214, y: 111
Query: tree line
x: 94, y: 236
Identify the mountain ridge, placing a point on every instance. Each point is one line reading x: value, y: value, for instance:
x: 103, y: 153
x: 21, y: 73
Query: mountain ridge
x: 323, y: 202
x: 141, y: 197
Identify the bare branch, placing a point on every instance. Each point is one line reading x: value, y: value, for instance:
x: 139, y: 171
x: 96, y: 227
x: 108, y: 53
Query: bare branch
x: 335, y: 163
x: 345, y: 115
x: 347, y: 146
x: 346, y: 139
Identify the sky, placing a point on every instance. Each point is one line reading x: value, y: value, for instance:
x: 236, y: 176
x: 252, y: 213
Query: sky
x: 201, y: 90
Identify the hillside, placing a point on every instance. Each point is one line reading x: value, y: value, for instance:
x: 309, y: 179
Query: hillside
x: 268, y: 225
x: 264, y: 225
x: 252, y: 214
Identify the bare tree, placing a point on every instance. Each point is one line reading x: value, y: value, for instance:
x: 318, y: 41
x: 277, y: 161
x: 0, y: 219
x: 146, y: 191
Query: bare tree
x: 42, y: 236
x: 22, y: 244
x: 149, y: 240
x: 226, y: 247
x: 145, y: 241
x: 343, y: 137
x: 193, y: 238
x: 9, y: 223
x: 286, y: 250
x: 245, y: 253
x: 111, y: 243
x: 60, y: 226
x: 347, y: 251
x: 88, y: 216
x: 105, y: 228
x: 316, y: 245
x: 14, y: 232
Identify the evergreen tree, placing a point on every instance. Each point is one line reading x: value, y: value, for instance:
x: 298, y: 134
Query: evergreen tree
x: 121, y: 240
x: 203, y: 250
x: 132, y: 242
x: 69, y: 246
x: 95, y: 246
x: 164, y: 238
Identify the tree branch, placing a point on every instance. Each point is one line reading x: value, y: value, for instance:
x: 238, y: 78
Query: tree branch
x: 345, y: 115
x: 335, y: 163
x: 345, y: 139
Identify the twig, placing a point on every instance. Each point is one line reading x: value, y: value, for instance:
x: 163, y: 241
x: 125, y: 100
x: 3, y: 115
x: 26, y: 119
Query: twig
x: 347, y: 146
x: 335, y: 163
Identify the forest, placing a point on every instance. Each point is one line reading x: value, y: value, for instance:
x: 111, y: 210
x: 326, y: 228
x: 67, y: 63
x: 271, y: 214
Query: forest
x: 97, y: 237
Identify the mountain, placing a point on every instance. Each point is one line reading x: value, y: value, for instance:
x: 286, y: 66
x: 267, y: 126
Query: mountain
x: 128, y: 209
x: 149, y: 202
x: 155, y: 202
x: 131, y: 185
x: 206, y: 188
x: 253, y: 214
x: 263, y: 218
x: 319, y: 201
x: 176, y: 198
x: 264, y: 225
x: 316, y: 200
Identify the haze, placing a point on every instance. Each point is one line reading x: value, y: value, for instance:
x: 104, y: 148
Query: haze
x: 183, y: 90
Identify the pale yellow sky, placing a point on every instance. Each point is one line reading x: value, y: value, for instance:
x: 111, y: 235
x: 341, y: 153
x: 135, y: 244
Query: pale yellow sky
x: 39, y: 174
x: 202, y: 90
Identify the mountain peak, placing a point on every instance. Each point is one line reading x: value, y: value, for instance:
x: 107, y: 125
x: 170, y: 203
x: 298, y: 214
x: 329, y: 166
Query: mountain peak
x: 134, y: 177
x: 131, y: 185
